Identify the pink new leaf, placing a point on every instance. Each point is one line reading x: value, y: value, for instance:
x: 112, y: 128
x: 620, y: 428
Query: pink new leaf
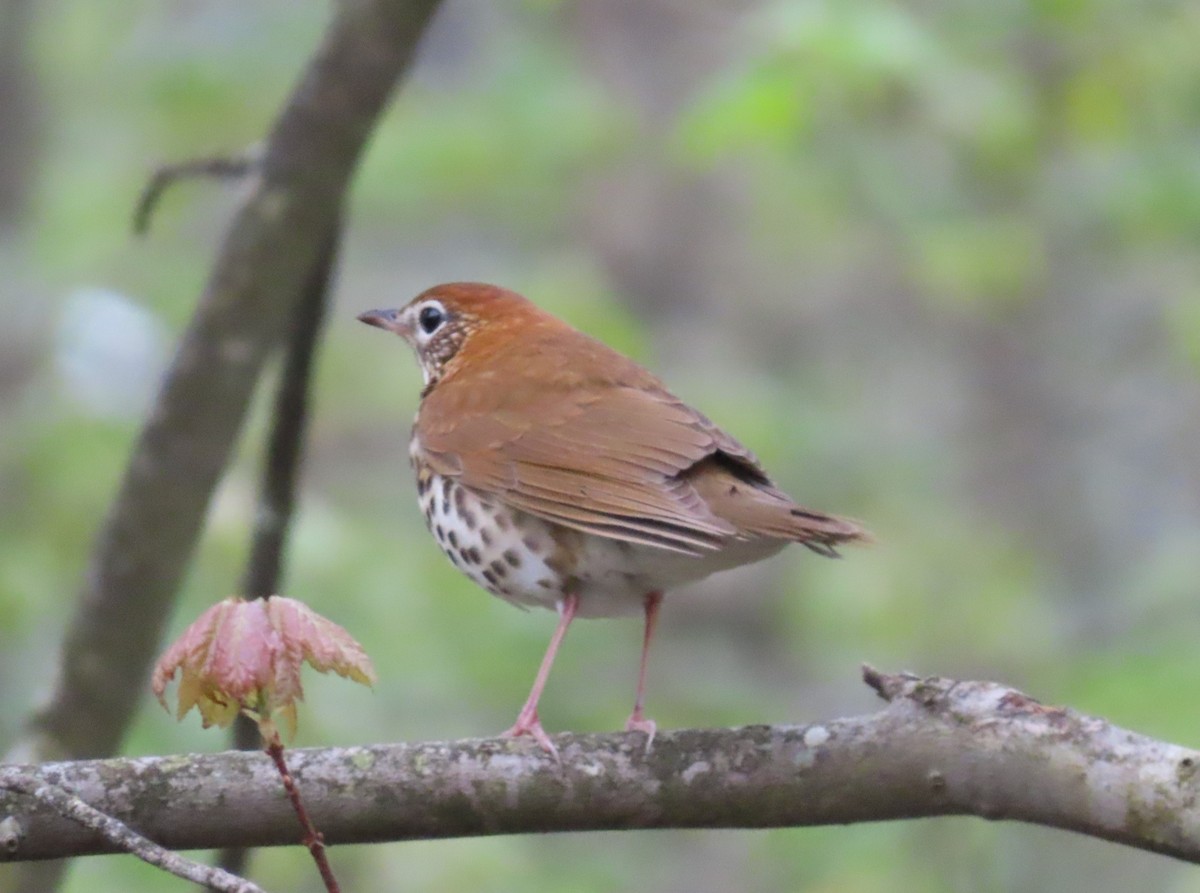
x: 245, y: 656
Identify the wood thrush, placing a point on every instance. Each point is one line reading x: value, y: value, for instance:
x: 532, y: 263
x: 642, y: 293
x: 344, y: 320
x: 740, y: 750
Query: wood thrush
x: 555, y: 472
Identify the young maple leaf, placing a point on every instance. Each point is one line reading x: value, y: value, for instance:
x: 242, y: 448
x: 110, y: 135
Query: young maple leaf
x: 245, y: 656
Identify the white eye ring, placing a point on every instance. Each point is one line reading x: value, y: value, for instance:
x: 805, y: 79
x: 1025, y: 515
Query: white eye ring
x: 430, y: 317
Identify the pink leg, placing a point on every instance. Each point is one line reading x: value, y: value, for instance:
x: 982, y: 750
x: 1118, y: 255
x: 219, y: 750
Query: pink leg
x: 637, y: 721
x: 527, y: 720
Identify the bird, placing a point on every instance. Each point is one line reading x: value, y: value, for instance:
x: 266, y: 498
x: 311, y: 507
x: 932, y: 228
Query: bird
x: 556, y: 472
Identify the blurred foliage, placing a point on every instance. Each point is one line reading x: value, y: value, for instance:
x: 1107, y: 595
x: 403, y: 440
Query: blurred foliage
x: 934, y: 261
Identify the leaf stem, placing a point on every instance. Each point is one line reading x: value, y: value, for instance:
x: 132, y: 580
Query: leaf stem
x: 313, y: 839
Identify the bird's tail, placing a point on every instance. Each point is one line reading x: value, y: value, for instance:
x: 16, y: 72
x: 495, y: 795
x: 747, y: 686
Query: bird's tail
x: 824, y: 533
x: 757, y: 508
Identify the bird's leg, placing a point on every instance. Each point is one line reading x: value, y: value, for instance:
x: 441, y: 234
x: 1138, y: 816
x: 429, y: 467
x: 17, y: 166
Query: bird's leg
x: 637, y: 721
x: 527, y: 720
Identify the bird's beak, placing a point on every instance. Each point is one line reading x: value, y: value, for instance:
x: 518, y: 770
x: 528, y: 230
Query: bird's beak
x: 385, y: 319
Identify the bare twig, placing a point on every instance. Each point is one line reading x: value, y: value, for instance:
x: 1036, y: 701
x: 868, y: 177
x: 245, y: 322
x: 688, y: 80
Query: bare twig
x: 313, y: 839
x: 938, y: 747
x: 118, y: 834
x: 285, y: 446
x: 233, y: 167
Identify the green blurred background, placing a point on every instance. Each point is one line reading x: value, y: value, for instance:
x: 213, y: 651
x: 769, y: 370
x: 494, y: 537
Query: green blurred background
x: 936, y: 261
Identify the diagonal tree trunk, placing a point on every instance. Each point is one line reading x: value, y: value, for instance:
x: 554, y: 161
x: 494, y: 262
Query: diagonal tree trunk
x: 152, y: 528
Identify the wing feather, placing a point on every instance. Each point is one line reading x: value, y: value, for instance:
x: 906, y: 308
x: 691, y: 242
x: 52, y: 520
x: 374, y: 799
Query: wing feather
x: 559, y: 425
x: 610, y: 462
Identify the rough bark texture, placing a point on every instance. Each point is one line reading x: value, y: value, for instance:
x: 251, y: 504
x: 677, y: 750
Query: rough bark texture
x: 940, y: 747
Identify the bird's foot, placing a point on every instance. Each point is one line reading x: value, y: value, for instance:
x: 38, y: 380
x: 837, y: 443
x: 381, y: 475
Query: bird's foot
x: 638, y: 723
x: 528, y: 724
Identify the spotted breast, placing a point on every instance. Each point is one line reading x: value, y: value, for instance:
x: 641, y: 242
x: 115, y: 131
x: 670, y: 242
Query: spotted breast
x: 531, y: 562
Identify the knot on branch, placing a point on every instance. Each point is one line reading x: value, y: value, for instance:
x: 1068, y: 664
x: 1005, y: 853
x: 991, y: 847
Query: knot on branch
x: 977, y: 703
x: 891, y: 686
x: 11, y: 834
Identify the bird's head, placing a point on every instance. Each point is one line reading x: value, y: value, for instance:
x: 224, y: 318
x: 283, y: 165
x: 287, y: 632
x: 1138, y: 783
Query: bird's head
x: 440, y: 322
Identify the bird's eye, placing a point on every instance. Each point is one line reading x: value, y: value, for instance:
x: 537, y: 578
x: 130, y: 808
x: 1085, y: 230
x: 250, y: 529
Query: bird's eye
x: 430, y: 319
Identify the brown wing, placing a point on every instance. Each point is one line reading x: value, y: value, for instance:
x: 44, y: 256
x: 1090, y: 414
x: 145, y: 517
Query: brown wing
x: 607, y: 460
x: 578, y: 434
x: 583, y: 436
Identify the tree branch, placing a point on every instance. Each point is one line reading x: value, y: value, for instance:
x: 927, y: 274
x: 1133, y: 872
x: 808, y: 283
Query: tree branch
x: 289, y: 425
x: 220, y: 167
x: 939, y: 747
x: 119, y: 834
